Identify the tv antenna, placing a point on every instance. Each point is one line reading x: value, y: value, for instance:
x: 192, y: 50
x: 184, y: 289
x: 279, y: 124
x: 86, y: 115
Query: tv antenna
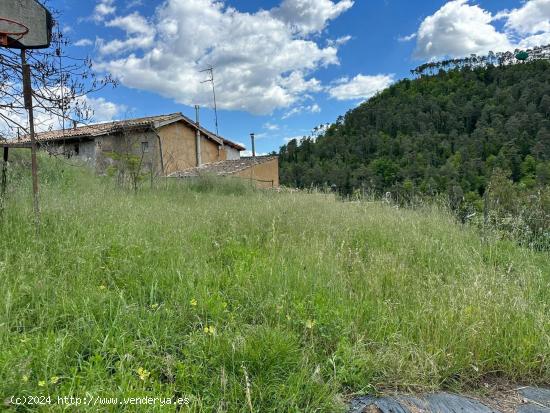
x: 210, y: 71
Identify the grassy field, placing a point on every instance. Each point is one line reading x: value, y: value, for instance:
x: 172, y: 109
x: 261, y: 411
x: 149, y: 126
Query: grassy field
x: 248, y: 301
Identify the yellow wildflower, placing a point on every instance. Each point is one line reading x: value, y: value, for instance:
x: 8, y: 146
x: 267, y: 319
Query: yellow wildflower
x: 102, y: 287
x: 143, y: 374
x: 154, y: 306
x: 193, y: 302
x: 54, y: 380
x: 25, y: 379
x: 310, y: 324
x: 41, y: 383
x: 209, y: 330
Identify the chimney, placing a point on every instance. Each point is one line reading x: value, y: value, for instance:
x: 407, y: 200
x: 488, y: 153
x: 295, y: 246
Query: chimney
x: 253, y: 139
x: 75, y: 124
x: 198, y: 136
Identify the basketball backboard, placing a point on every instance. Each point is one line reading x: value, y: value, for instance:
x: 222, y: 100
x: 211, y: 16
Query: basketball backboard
x: 25, y: 24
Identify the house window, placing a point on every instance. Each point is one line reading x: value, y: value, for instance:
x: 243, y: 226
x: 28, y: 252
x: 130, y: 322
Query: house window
x: 77, y: 149
x: 144, y: 147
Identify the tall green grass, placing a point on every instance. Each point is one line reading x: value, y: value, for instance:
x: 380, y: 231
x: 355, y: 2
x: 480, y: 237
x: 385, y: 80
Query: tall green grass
x: 254, y: 301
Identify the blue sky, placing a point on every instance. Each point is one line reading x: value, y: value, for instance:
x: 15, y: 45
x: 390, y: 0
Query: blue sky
x: 282, y: 67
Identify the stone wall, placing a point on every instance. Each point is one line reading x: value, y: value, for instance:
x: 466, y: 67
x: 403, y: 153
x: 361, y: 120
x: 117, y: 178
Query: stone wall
x: 144, y: 144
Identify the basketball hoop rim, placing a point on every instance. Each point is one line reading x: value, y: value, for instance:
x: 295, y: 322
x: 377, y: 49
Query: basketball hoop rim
x: 17, y: 35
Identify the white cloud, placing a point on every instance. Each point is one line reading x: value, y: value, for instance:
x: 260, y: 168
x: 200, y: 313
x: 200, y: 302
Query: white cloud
x: 532, y: 18
x: 407, y: 38
x: 360, y: 87
x: 83, y: 43
x: 132, y: 24
x: 270, y: 126
x: 249, y: 153
x: 104, y: 110
x: 134, y: 3
x: 103, y: 9
x: 313, y: 135
x: 314, y: 108
x: 339, y: 41
x: 320, y: 130
x: 535, y: 40
x: 310, y: 16
x: 140, y: 35
x: 291, y: 138
x: 262, y: 60
x: 459, y: 29
x: 529, y: 23
x: 101, y: 109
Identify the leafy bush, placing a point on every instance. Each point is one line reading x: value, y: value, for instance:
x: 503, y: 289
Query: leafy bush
x: 518, y: 211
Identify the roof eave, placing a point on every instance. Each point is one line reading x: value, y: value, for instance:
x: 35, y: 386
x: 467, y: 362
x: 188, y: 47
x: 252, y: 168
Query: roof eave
x: 234, y: 145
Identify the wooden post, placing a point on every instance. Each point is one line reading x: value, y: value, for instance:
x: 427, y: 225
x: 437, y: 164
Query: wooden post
x: 486, y: 208
x: 198, y: 137
x: 4, y: 181
x: 27, y: 92
x: 4, y: 171
x: 485, y: 215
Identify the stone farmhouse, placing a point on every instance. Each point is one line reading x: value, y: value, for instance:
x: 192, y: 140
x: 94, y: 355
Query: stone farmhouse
x: 167, y: 145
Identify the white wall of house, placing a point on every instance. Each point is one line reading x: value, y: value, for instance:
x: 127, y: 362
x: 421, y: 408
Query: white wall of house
x: 232, y: 153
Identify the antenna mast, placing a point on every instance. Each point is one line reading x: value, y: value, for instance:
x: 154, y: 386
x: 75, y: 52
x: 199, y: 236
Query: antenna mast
x: 210, y: 70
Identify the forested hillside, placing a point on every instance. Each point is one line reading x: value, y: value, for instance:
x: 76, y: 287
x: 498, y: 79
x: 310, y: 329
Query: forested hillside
x: 445, y: 133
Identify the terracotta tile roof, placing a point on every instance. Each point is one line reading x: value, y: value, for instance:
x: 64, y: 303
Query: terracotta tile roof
x: 99, y: 128
x: 223, y: 168
x: 108, y: 128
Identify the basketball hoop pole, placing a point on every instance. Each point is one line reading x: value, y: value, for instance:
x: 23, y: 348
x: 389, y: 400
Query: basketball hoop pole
x: 27, y: 93
x: 27, y: 24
